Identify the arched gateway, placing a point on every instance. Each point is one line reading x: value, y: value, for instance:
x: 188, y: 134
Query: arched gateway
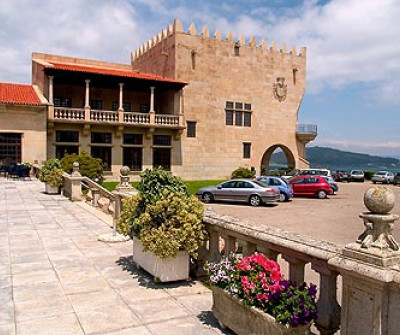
x: 268, y: 153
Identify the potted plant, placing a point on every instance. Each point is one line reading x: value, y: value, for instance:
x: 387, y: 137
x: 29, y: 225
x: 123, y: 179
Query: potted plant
x: 51, y: 175
x: 250, y: 297
x: 165, y: 224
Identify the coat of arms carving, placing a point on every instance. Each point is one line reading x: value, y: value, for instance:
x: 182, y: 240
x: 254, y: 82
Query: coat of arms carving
x: 280, y: 89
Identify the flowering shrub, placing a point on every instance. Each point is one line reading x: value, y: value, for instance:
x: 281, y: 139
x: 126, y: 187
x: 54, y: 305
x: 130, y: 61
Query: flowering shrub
x: 257, y: 281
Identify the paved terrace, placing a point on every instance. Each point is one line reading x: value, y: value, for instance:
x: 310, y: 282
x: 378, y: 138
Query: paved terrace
x: 56, y: 278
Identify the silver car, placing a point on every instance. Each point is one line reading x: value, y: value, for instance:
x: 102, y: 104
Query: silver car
x: 243, y: 190
x: 384, y: 177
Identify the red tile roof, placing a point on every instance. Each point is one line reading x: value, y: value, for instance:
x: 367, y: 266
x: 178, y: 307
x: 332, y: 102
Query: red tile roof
x: 111, y: 72
x: 18, y: 94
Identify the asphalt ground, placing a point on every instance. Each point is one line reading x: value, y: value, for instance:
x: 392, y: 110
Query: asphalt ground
x: 335, y: 219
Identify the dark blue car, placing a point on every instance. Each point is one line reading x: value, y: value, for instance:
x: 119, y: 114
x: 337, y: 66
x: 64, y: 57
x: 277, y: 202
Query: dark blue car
x: 285, y: 189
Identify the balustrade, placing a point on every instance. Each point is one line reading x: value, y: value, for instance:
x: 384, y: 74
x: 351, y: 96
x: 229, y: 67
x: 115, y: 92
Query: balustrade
x: 69, y: 113
x: 136, y: 118
x: 167, y: 119
x: 103, y: 116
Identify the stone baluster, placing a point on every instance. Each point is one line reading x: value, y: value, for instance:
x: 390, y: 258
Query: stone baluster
x: 328, y: 321
x: 214, y: 252
x: 95, y: 196
x: 249, y: 248
x: 296, y: 268
x: 230, y: 243
x: 270, y: 253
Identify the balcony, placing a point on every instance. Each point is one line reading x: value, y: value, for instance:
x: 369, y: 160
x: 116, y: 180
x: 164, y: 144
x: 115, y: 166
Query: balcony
x: 93, y: 116
x: 306, y: 132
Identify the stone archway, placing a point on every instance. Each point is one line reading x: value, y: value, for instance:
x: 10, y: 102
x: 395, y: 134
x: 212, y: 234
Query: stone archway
x: 268, y: 153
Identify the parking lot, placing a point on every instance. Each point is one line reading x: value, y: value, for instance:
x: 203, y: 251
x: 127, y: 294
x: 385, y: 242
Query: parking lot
x: 334, y: 219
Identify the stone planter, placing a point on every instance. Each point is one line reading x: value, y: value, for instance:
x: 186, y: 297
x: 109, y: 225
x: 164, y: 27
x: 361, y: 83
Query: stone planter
x: 164, y: 270
x: 243, y: 320
x: 50, y: 189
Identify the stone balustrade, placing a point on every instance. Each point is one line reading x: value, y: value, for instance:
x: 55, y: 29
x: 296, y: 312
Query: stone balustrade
x: 370, y: 272
x: 115, y: 117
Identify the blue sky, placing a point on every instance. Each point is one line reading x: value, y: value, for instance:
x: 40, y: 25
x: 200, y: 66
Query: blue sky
x: 353, y: 50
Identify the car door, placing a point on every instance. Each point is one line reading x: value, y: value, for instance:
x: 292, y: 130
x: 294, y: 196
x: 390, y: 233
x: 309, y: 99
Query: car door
x: 242, y: 190
x: 224, y: 191
x: 298, y: 186
x: 310, y: 185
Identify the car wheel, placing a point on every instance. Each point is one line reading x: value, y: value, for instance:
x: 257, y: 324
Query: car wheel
x: 374, y: 182
x: 283, y: 197
x: 207, y: 198
x: 333, y: 191
x: 255, y: 200
x: 321, y: 194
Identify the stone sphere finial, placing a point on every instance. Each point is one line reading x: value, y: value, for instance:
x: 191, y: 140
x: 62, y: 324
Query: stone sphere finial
x: 124, y: 171
x: 379, y: 199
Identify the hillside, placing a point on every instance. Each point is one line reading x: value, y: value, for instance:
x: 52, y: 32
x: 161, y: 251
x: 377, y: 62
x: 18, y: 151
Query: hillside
x: 338, y: 159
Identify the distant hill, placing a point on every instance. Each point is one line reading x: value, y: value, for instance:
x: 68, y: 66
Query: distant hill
x: 335, y: 159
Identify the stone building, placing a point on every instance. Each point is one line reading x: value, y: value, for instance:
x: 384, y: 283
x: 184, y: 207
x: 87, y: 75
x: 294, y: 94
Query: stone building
x: 198, y: 105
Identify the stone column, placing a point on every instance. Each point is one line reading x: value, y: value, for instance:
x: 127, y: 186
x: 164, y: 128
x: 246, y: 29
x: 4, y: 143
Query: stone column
x: 76, y: 180
x: 296, y: 268
x: 87, y: 97
x: 152, y: 99
x: 51, y: 90
x: 124, y: 186
x: 121, y: 99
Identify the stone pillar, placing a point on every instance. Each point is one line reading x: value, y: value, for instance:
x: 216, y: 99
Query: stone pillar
x: 87, y: 100
x: 76, y: 180
x: 230, y: 244
x: 249, y: 248
x: 214, y: 252
x: 370, y: 292
x: 124, y: 186
x: 152, y: 99
x: 51, y: 91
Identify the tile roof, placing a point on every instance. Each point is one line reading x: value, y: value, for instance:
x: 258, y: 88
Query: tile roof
x: 111, y: 72
x: 18, y: 94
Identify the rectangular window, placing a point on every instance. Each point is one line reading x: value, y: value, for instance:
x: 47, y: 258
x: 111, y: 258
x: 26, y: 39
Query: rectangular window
x: 67, y: 136
x: 62, y: 150
x: 246, y: 150
x: 162, y: 157
x: 229, y: 118
x: 104, y: 153
x: 191, y: 129
x: 162, y: 140
x: 96, y: 104
x: 144, y: 108
x: 133, y: 139
x: 238, y: 118
x: 238, y: 114
x: 126, y: 106
x: 62, y: 102
x: 133, y: 157
x: 247, y: 119
x: 10, y: 148
x: 101, y: 138
x: 237, y: 50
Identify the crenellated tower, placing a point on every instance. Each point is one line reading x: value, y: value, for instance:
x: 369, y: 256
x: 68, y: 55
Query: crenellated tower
x: 241, y: 94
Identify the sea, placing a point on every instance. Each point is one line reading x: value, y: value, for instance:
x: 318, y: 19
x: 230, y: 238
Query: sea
x: 333, y: 168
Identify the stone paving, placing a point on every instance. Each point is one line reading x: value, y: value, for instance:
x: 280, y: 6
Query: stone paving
x: 57, y: 278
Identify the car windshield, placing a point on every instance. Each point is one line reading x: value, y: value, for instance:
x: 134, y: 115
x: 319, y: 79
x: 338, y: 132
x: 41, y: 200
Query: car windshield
x: 358, y: 172
x: 381, y: 173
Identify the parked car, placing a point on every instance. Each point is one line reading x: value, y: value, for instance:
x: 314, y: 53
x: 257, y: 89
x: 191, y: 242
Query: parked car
x: 334, y: 186
x: 285, y: 189
x: 357, y: 175
x: 243, y: 190
x: 384, y: 177
x: 396, y: 179
x: 316, y: 172
x: 311, y: 186
x: 341, y: 176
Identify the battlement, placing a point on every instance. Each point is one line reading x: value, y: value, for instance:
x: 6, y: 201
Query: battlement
x: 177, y: 28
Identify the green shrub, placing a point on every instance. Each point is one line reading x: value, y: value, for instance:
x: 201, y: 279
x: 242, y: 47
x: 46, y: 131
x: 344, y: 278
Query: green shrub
x: 49, y: 165
x: 88, y: 166
x: 54, y: 177
x: 243, y: 173
x: 163, y: 215
x: 368, y: 174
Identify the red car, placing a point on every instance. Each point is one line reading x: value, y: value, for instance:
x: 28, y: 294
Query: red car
x: 311, y: 186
